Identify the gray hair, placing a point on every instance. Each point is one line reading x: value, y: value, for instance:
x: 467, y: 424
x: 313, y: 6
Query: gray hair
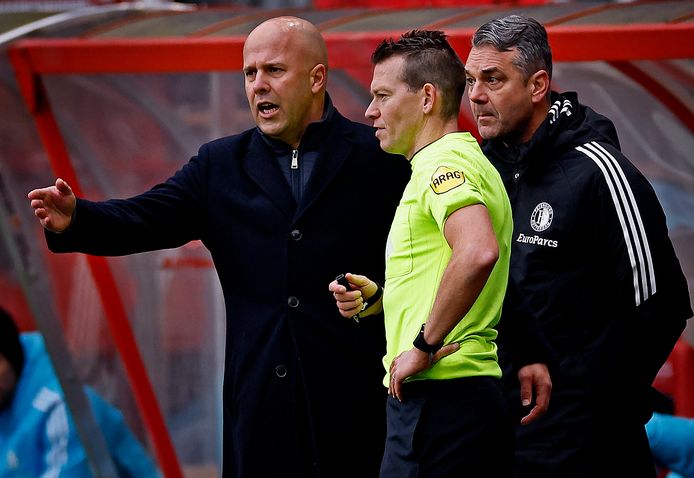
x: 526, y: 34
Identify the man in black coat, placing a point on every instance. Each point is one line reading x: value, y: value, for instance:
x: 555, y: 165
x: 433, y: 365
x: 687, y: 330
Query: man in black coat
x: 591, y: 259
x: 302, y: 392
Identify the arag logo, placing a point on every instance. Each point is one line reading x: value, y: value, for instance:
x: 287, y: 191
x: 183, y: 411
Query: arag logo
x: 541, y: 218
x: 444, y: 179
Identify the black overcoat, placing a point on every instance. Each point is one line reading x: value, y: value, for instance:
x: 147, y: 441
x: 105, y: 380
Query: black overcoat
x: 302, y: 385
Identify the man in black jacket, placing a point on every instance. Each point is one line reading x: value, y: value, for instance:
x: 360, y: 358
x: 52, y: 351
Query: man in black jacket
x: 302, y: 392
x: 591, y: 259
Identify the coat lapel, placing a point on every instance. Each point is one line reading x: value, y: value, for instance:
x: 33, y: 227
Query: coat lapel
x: 263, y: 169
x: 335, y: 151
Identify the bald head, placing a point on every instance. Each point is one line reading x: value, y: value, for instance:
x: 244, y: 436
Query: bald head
x: 285, y: 65
x: 297, y: 32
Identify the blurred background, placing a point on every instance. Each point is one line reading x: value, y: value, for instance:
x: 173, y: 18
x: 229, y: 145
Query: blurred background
x: 116, y: 96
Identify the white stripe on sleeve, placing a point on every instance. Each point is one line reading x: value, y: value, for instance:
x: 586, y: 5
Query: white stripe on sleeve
x: 629, y: 218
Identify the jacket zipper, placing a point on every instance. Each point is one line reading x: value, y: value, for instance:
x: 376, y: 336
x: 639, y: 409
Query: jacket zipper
x: 295, y: 159
x: 295, y: 176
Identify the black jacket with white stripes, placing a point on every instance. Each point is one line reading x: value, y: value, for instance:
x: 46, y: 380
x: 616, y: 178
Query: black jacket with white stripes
x: 591, y: 258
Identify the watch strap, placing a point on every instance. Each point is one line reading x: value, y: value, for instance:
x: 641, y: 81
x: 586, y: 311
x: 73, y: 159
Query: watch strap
x: 422, y: 344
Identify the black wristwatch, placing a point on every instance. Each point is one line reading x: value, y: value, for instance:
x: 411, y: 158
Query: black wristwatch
x: 422, y: 344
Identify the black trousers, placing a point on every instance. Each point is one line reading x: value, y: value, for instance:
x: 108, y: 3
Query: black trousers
x: 569, y: 444
x: 449, y: 428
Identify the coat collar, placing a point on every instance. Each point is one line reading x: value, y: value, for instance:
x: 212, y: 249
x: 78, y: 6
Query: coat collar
x: 327, y: 137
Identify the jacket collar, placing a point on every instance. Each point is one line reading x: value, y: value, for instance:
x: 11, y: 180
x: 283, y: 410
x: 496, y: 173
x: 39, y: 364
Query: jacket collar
x: 562, y: 111
x: 327, y: 137
x: 311, y: 138
x: 568, y: 124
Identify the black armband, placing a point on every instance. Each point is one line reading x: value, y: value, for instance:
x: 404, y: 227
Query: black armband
x: 369, y: 302
x: 374, y: 298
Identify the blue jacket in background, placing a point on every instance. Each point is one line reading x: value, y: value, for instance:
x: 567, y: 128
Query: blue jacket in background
x: 38, y: 438
x: 672, y: 443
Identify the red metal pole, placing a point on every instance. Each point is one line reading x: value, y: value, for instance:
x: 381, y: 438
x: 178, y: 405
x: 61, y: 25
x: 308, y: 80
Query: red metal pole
x: 659, y: 92
x: 34, y: 93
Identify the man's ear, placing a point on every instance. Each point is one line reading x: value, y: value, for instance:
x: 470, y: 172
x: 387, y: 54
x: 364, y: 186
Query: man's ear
x: 430, y: 96
x: 319, y: 76
x: 539, y: 84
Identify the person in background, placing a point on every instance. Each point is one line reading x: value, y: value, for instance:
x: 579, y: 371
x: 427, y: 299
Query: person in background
x: 446, y: 273
x: 37, y: 434
x: 302, y: 393
x: 671, y: 438
x: 590, y: 258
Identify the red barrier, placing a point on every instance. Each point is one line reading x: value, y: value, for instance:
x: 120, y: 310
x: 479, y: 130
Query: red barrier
x: 682, y: 359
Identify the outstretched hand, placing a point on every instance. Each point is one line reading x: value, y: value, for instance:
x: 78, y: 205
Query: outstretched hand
x: 54, y: 205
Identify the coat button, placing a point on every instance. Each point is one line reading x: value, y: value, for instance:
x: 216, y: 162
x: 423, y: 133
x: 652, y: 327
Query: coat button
x: 293, y: 302
x: 281, y: 371
x: 296, y: 234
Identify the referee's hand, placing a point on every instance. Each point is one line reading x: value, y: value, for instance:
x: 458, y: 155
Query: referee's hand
x: 410, y: 363
x: 349, y: 302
